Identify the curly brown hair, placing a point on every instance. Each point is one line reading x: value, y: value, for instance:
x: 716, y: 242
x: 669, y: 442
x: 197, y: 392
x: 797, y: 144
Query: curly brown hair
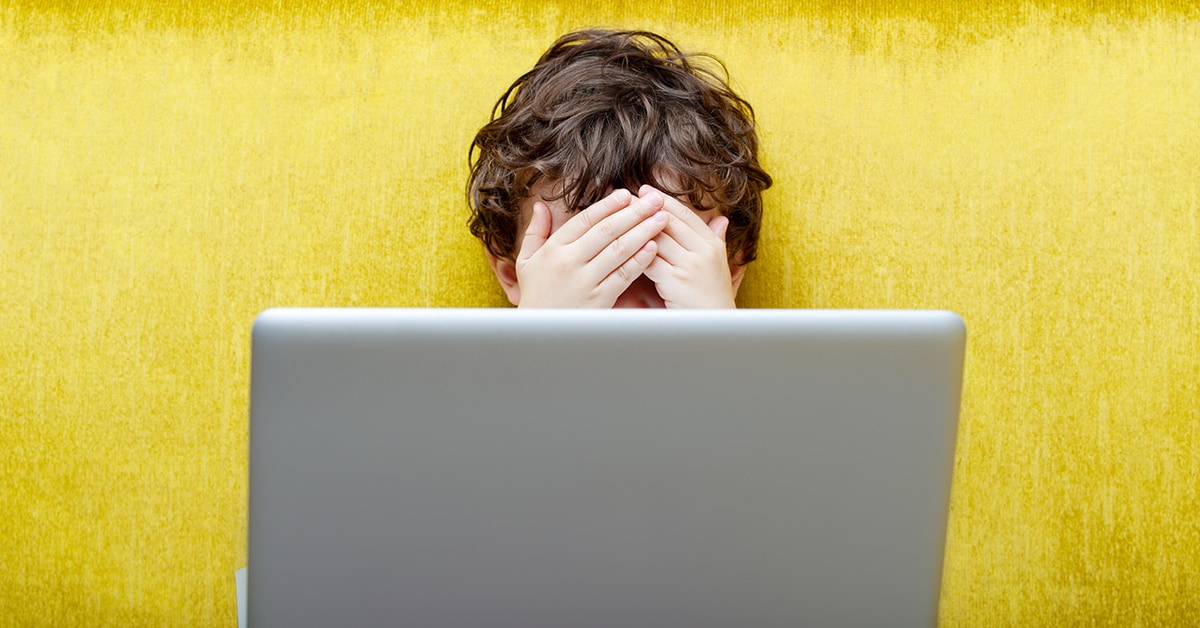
x: 616, y: 109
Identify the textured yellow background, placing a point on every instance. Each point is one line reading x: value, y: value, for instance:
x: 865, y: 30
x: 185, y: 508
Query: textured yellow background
x: 167, y: 173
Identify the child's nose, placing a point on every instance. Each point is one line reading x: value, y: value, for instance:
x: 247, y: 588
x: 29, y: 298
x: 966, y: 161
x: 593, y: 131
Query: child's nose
x: 640, y: 294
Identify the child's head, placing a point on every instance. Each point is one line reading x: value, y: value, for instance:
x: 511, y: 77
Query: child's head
x: 607, y: 110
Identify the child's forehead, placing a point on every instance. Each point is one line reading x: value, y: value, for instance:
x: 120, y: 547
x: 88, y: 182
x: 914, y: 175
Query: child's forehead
x: 546, y: 188
x: 550, y: 193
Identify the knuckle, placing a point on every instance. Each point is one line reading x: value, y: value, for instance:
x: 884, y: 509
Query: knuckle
x: 607, y: 229
x: 563, y: 265
x: 586, y: 218
x: 619, y: 248
x: 625, y: 272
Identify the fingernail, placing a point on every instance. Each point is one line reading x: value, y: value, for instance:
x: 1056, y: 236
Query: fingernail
x: 654, y: 198
x: 660, y: 216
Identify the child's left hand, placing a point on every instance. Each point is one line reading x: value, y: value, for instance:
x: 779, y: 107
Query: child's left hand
x: 691, y: 269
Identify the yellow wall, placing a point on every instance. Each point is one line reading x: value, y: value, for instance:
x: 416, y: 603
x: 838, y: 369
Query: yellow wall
x: 166, y: 174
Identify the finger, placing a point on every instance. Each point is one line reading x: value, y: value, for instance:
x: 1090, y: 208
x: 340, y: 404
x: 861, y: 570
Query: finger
x: 582, y: 223
x: 677, y: 208
x: 719, y: 226
x: 659, y: 270
x: 671, y: 251
x: 607, y: 231
x: 537, y: 232
x: 619, y: 279
x: 618, y: 252
x: 687, y: 236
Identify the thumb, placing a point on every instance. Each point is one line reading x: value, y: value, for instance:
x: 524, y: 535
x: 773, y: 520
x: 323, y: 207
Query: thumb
x: 719, y: 226
x: 537, y: 232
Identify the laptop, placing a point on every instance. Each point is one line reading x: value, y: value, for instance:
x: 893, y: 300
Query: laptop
x: 637, y: 468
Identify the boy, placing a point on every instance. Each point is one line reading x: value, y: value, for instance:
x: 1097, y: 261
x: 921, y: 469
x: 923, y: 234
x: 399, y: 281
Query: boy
x: 618, y: 173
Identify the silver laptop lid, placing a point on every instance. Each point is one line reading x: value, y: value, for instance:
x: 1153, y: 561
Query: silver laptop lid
x: 612, y: 468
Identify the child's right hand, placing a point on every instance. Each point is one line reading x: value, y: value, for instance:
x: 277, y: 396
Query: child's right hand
x: 594, y: 256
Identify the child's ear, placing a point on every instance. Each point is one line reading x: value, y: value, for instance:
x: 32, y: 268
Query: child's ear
x: 737, y: 271
x: 506, y: 274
